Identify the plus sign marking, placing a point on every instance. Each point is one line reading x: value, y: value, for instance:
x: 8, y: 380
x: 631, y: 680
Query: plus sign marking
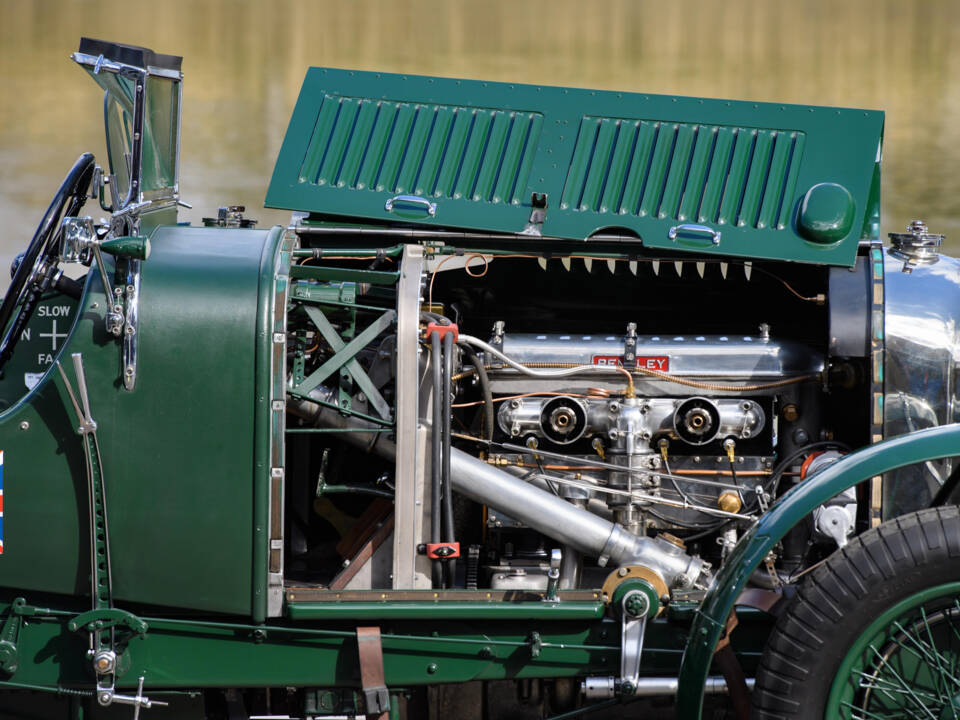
x: 55, y: 336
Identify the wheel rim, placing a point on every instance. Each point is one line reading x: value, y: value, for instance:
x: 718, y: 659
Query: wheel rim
x: 906, y: 664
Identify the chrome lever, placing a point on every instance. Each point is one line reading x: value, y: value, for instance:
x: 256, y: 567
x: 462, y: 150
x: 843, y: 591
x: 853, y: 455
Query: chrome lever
x: 636, y: 609
x: 107, y: 697
x: 82, y: 408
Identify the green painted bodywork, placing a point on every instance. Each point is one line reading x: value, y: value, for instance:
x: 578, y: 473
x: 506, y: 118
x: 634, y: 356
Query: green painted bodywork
x: 796, y: 504
x: 606, y: 160
x: 38, y: 346
x: 179, y: 652
x: 178, y: 452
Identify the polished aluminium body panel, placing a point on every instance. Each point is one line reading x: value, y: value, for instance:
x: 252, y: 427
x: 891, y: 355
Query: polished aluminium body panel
x: 921, y: 313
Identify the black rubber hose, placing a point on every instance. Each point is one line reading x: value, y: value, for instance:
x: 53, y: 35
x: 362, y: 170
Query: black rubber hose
x: 484, y: 389
x: 447, y: 488
x: 434, y: 317
x: 436, y: 440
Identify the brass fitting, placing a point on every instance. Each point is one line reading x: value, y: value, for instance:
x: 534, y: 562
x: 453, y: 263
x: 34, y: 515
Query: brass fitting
x: 597, y: 445
x: 729, y: 502
x: 664, y: 446
x: 672, y: 539
x: 731, y: 447
x: 790, y: 412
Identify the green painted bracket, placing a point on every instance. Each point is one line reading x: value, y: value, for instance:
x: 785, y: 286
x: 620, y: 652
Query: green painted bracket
x: 131, y: 247
x: 344, y: 355
x: 21, y: 608
x: 394, y: 251
x: 317, y: 272
x: 710, y: 620
x: 445, y: 611
x: 636, y: 608
x: 111, y: 617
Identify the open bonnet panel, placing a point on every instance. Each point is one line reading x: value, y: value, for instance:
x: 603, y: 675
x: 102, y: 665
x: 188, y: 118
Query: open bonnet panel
x: 732, y: 178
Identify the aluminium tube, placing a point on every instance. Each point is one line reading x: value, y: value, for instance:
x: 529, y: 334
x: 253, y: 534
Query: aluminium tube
x: 568, y: 524
x: 657, y: 686
x: 436, y: 458
x: 450, y: 572
x: 570, y: 568
x: 551, y: 515
x: 539, y: 509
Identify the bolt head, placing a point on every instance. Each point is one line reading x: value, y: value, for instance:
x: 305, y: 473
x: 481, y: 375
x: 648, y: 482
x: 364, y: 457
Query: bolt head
x: 24, y: 425
x: 104, y: 661
x: 636, y: 604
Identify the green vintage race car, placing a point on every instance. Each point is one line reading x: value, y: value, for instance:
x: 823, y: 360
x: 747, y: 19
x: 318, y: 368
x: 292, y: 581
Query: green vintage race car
x: 548, y: 402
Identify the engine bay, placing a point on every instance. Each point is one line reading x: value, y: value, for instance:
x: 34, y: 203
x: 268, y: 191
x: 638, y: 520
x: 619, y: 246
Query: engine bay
x: 734, y: 395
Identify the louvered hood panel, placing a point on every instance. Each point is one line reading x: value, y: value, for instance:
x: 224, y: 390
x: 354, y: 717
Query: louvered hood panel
x: 437, y: 151
x: 705, y: 176
x: 700, y: 173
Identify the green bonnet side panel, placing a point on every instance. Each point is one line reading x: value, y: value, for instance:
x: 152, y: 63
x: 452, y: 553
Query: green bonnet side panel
x: 765, y: 180
x: 177, y: 451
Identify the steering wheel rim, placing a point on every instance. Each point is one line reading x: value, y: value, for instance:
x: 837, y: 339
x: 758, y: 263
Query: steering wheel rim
x: 38, y: 267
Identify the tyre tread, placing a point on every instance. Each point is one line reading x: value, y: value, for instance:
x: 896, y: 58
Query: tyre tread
x: 829, y: 604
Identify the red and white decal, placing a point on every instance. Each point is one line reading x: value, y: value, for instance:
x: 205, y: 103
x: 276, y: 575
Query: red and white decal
x: 660, y: 363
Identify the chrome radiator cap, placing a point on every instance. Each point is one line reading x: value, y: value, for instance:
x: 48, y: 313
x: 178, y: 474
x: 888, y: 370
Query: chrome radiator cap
x: 917, y: 246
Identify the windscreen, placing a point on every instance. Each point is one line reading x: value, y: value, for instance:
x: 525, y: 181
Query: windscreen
x: 160, y: 130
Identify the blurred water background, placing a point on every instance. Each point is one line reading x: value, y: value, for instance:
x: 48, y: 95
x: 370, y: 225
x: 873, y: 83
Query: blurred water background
x: 244, y: 62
